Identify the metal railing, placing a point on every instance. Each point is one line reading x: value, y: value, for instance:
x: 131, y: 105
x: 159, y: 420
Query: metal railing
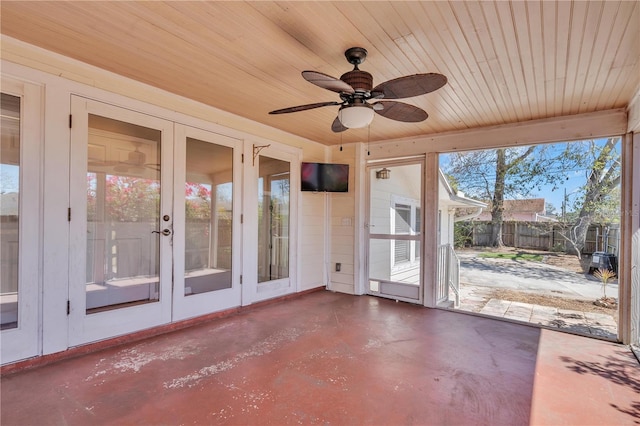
x: 448, y: 275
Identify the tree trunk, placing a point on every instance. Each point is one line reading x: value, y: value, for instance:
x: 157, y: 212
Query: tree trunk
x: 497, y: 203
x: 601, y: 181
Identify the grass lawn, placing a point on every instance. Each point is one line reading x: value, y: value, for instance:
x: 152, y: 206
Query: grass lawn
x: 512, y: 256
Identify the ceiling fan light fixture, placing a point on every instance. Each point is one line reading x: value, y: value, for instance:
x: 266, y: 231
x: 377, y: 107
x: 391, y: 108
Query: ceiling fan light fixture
x: 355, y: 116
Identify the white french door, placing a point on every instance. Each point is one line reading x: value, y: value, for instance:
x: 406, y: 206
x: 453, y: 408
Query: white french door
x: 270, y: 226
x: 121, y: 221
x: 394, y: 227
x: 20, y: 229
x: 207, y: 222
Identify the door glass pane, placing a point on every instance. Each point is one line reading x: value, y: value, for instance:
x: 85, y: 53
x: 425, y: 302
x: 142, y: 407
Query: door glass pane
x: 9, y: 210
x: 273, y: 219
x: 123, y: 214
x: 208, y: 213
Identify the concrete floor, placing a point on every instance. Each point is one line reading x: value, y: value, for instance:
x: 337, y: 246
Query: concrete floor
x: 327, y: 358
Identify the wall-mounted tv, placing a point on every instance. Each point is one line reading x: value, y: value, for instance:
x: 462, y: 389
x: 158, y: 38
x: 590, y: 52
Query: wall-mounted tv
x: 324, y: 177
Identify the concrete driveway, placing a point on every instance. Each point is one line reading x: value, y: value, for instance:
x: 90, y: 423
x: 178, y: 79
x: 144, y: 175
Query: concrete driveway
x: 535, y: 277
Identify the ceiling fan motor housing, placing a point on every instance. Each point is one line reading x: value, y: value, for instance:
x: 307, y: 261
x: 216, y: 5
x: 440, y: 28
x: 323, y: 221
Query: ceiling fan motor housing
x: 361, y: 81
x: 136, y: 157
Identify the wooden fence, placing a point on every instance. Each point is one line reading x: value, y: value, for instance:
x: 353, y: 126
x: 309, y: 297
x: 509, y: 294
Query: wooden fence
x: 544, y: 236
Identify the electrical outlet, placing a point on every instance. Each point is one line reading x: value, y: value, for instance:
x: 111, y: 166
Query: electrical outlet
x: 338, y: 267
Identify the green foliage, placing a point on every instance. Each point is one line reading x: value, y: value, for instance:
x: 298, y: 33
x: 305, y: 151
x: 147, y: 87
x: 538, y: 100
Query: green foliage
x: 462, y: 234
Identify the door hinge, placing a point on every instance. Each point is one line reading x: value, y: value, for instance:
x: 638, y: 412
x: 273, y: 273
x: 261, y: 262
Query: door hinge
x: 240, y: 279
x: 70, y: 121
x: 241, y: 218
x: 242, y: 158
x: 69, y: 214
x: 68, y: 307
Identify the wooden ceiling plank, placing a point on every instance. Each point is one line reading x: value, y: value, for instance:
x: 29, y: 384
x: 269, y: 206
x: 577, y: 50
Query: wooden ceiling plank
x: 563, y: 18
x: 577, y: 28
x: 597, y: 40
x: 602, y: 57
x: 588, y: 38
x: 508, y: 26
x: 389, y: 63
x: 496, y: 57
x: 521, y: 24
x: 449, y: 58
x: 483, y: 77
x: 441, y: 102
x: 490, y: 66
x: 245, y: 93
x: 549, y: 54
x: 461, y: 79
x: 459, y: 34
x: 625, y: 51
x: 536, y: 44
x: 497, y: 29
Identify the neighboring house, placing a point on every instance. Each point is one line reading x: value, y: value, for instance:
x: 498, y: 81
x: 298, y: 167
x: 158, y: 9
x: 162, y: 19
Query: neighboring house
x: 527, y: 210
x: 449, y: 202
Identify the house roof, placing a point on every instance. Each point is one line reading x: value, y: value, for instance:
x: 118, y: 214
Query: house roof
x: 531, y: 209
x: 506, y: 62
x: 458, y: 199
x: 531, y: 205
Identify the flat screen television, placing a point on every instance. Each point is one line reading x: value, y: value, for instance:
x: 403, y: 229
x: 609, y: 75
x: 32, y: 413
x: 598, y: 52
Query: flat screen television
x: 325, y: 177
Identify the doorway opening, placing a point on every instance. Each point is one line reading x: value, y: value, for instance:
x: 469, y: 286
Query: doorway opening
x: 543, y: 249
x: 395, y: 230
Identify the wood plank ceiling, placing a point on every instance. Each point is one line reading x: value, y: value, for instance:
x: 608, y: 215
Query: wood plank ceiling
x: 505, y: 61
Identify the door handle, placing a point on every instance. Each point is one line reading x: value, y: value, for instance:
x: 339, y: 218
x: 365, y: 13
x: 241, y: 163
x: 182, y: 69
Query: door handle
x: 163, y: 232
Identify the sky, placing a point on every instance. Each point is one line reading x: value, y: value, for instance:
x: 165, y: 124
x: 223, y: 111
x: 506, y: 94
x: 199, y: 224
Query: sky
x: 572, y: 182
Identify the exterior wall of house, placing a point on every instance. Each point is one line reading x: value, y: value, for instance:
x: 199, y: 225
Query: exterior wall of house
x: 446, y: 216
x: 58, y: 78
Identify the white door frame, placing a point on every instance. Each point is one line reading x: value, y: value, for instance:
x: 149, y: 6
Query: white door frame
x: 252, y: 291
x: 204, y: 303
x: 24, y: 341
x: 83, y: 327
x: 389, y: 288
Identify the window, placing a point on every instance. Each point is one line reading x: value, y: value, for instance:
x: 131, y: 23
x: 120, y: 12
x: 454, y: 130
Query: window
x: 406, y: 221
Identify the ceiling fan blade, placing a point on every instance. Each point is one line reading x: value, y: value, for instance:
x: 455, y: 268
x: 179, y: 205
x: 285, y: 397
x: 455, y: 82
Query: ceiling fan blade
x: 103, y: 163
x: 303, y: 107
x: 337, y: 126
x: 410, y: 85
x: 327, y: 82
x: 400, y: 111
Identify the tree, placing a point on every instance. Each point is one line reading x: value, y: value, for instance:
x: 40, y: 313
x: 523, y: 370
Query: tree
x: 600, y: 195
x: 513, y: 173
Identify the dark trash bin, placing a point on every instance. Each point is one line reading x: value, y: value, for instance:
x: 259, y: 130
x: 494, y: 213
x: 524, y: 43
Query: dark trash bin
x: 603, y: 260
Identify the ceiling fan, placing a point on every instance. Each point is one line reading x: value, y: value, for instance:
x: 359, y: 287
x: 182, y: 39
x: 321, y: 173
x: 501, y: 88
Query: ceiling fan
x: 356, y: 89
x: 136, y: 161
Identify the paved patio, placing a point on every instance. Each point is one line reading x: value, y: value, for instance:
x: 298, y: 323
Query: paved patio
x: 478, y: 299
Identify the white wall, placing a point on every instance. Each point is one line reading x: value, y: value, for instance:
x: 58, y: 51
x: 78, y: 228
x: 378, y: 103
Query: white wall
x: 342, y: 238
